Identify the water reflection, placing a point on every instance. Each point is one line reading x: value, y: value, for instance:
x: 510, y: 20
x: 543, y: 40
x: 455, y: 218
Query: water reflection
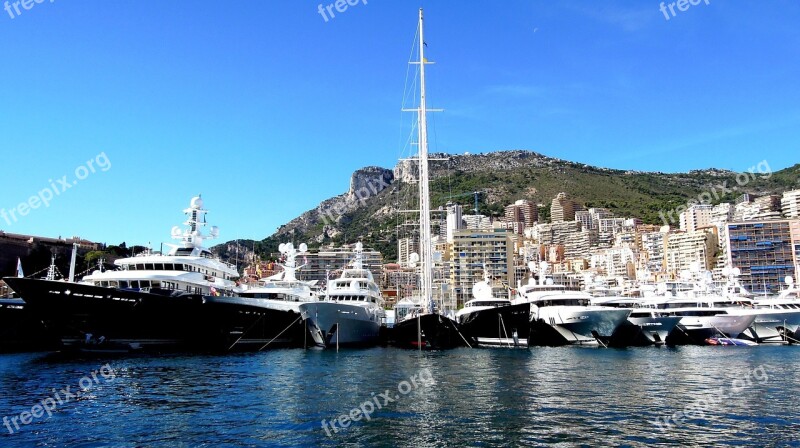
x: 544, y: 396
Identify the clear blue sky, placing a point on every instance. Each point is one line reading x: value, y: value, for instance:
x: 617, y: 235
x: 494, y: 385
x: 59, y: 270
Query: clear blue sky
x: 266, y: 109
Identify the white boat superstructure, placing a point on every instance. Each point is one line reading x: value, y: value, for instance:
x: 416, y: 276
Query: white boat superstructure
x: 352, y: 311
x: 282, y: 291
x: 569, y: 313
x: 188, y: 267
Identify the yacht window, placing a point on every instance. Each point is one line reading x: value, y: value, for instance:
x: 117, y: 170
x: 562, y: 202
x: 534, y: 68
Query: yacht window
x: 144, y: 283
x: 123, y: 284
x: 148, y: 266
x: 159, y: 266
x: 130, y: 267
x: 156, y: 284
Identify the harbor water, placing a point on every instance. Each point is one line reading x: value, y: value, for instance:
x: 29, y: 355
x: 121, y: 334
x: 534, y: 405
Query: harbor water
x: 723, y: 396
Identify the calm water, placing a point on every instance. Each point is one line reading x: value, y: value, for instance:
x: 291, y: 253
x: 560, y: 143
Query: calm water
x: 542, y: 396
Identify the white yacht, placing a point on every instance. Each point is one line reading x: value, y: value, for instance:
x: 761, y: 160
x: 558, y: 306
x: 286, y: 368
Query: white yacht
x: 562, y: 317
x: 283, y: 291
x: 645, y: 326
x: 777, y: 318
x: 703, y: 318
x: 352, y: 310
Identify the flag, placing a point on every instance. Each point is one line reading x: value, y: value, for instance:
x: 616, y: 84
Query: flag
x: 19, y: 268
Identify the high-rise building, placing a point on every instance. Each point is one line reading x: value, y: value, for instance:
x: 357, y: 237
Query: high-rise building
x: 562, y: 208
x: 651, y: 252
x: 790, y: 203
x: 454, y: 220
x: 696, y: 217
x: 765, y: 252
x: 405, y: 247
x: 575, y: 241
x: 685, y: 250
x: 471, y: 250
x: 616, y: 261
x: 590, y: 219
x: 523, y: 211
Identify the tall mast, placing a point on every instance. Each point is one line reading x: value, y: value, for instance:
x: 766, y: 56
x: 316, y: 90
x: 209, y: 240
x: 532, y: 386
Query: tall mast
x: 424, y: 194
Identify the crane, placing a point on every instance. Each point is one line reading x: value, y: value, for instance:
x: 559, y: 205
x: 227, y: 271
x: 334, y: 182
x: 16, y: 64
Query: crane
x: 472, y: 193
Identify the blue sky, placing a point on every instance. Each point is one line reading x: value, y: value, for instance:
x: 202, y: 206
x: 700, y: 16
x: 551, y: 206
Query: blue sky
x: 266, y: 109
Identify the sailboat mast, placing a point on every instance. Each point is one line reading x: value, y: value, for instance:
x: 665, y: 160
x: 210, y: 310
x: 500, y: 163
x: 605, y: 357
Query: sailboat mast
x: 424, y: 194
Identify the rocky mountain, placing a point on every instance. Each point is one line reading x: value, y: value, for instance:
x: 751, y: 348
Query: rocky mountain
x: 372, y: 207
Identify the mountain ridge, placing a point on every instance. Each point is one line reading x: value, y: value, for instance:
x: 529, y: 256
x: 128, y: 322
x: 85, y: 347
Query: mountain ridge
x: 369, y: 209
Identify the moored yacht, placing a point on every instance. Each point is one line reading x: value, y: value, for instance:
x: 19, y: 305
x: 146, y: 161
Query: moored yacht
x: 494, y: 321
x: 149, y: 301
x: 267, y: 315
x: 644, y: 326
x: 702, y: 318
x: 351, y: 312
x: 562, y: 317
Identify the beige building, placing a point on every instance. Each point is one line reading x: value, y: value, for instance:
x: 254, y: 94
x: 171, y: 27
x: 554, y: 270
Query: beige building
x: 685, y: 250
x: 562, y: 208
x: 470, y: 251
x: 790, y: 203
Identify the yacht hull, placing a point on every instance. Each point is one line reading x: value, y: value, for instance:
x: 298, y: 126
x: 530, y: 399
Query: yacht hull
x: 86, y: 317
x: 502, y: 326
x: 333, y: 324
x: 696, y: 329
x: 246, y: 324
x: 568, y: 325
x: 429, y: 331
x: 773, y: 325
x: 21, y: 331
x: 643, y: 331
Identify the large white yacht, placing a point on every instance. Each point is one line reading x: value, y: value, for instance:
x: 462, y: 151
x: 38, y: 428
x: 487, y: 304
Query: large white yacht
x: 645, y: 326
x: 777, y: 318
x: 703, y: 317
x: 351, y: 312
x: 562, y: 317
